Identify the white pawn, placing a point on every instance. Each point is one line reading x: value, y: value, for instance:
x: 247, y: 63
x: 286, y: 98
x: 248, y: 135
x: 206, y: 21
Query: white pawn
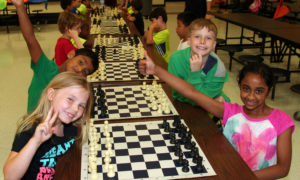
x: 167, y: 109
x: 106, y: 162
x: 111, y: 172
x: 154, y: 106
x: 144, y: 85
x: 159, y: 109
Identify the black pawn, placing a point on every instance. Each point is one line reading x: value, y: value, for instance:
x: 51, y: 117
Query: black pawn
x: 167, y: 127
x: 180, y: 159
x: 177, y: 151
x: 200, y: 168
x: 185, y: 167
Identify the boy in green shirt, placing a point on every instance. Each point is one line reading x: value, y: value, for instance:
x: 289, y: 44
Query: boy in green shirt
x: 197, y: 65
x: 85, y: 61
x: 158, y: 34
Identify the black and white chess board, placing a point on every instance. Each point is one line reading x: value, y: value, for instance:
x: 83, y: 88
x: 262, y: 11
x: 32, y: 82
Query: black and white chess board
x: 144, y: 150
x: 117, y: 41
x: 126, y: 54
x: 114, y: 30
x: 108, y: 23
x: 121, y: 71
x: 124, y: 102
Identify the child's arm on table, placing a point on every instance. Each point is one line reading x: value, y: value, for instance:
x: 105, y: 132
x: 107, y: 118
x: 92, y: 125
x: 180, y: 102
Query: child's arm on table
x: 17, y: 163
x: 284, y: 156
x: 183, y: 87
x: 27, y: 31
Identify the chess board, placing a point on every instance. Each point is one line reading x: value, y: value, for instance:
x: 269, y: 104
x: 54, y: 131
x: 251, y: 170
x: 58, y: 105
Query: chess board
x: 109, y: 30
x: 108, y: 23
x: 125, y: 102
x: 119, y: 71
x: 143, y: 151
x: 126, y: 53
x: 115, y: 41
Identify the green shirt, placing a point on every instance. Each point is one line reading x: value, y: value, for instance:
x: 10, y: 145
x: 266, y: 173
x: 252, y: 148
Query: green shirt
x: 209, y: 80
x: 161, y: 40
x: 43, y: 72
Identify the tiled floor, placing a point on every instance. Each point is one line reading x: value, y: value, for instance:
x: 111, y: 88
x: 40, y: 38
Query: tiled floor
x: 16, y: 75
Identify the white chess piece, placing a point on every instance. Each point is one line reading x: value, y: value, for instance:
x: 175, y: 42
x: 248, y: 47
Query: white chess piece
x: 144, y: 85
x: 159, y: 110
x: 167, y: 110
x: 111, y: 172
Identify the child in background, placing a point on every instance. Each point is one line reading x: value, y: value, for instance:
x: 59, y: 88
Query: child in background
x: 158, y: 34
x: 195, y: 64
x: 70, y: 6
x: 84, y: 63
x: 184, y: 20
x: 85, y: 9
x: 51, y: 129
x: 137, y: 17
x: 125, y: 4
x: 69, y: 25
x: 260, y: 134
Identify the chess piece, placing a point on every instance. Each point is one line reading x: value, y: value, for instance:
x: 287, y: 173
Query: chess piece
x: 94, y: 175
x: 200, y: 167
x: 180, y: 159
x: 185, y: 167
x: 111, y: 172
x: 107, y: 160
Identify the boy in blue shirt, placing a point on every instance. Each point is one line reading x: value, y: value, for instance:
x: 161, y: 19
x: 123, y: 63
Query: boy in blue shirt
x: 158, y: 34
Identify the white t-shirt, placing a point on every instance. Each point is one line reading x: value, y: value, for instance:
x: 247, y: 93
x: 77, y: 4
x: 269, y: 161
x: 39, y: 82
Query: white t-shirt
x: 182, y: 45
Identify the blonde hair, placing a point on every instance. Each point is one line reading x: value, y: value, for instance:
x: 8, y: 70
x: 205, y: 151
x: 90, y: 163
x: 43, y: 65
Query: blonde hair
x: 67, y: 20
x: 60, y: 81
x: 202, y: 23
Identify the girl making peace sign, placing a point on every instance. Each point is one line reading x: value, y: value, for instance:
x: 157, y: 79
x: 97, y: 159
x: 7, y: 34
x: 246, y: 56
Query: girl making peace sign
x: 51, y: 129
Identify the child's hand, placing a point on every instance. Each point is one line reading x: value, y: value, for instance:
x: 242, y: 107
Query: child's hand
x: 196, y: 62
x: 130, y: 18
x: 45, y: 129
x: 72, y: 33
x: 154, y: 25
x: 147, y: 66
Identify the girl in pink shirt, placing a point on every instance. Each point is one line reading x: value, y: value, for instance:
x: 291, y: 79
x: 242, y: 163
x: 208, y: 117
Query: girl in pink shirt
x: 262, y: 135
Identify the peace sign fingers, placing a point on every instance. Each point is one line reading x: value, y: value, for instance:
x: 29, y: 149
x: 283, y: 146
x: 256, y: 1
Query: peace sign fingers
x: 45, y: 129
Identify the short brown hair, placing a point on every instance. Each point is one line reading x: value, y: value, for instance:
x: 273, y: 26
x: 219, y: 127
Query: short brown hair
x: 201, y: 23
x: 67, y: 20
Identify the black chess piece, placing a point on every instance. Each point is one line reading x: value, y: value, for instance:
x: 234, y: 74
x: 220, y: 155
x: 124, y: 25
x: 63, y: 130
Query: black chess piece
x: 180, y: 159
x: 177, y: 151
x: 188, y: 143
x: 167, y: 127
x: 195, y: 157
x: 115, y: 51
x: 172, y: 138
x: 150, y: 76
x: 164, y: 123
x: 200, y: 168
x: 176, y: 121
x: 185, y: 167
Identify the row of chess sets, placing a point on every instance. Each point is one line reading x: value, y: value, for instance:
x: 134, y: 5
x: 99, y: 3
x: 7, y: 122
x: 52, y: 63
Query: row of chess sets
x: 153, y: 93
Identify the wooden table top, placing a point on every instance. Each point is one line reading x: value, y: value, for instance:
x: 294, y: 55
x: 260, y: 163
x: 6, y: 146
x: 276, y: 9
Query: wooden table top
x: 223, y: 158
x: 281, y: 30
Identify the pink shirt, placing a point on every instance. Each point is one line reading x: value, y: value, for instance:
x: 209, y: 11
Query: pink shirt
x: 62, y: 49
x: 255, y: 139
